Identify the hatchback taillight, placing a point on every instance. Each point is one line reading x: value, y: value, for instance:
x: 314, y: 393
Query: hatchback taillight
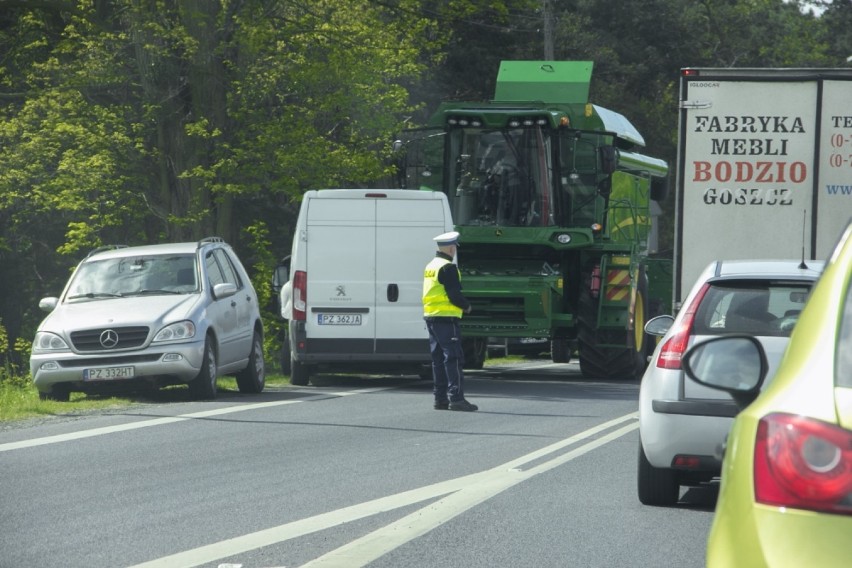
x: 300, y: 295
x: 672, y: 350
x: 803, y: 463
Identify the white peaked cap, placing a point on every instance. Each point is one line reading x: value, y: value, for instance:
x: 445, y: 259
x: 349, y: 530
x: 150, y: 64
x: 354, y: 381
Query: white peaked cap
x: 447, y: 239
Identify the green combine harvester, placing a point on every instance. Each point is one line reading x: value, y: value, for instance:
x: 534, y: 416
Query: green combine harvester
x: 552, y: 201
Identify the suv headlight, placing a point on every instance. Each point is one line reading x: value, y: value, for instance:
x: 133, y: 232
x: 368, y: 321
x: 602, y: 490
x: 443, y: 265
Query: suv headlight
x: 176, y: 332
x: 45, y: 341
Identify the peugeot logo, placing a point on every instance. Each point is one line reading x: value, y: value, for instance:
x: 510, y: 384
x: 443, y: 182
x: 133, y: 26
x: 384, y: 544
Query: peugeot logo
x: 109, y: 339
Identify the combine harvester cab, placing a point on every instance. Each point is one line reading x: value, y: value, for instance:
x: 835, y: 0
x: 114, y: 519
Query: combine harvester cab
x: 553, y: 205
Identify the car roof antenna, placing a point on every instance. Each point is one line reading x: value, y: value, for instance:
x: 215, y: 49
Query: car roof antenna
x: 803, y: 265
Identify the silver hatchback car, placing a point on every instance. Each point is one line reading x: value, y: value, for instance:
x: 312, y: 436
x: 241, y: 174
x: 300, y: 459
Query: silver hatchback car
x: 150, y: 316
x: 681, y: 423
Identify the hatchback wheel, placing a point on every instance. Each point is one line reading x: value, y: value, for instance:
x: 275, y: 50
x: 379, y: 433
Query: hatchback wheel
x: 657, y: 486
x: 203, y: 386
x: 253, y: 378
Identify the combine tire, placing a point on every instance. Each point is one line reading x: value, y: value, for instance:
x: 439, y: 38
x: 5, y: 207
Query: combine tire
x: 597, y: 362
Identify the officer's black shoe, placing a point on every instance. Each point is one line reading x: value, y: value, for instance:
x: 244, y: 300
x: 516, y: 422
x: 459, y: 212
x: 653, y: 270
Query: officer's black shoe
x: 464, y: 406
x: 442, y: 404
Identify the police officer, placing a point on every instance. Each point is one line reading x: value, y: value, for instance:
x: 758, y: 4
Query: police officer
x: 443, y: 306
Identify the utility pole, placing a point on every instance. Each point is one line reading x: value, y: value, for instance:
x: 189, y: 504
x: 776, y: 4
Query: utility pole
x: 547, y: 14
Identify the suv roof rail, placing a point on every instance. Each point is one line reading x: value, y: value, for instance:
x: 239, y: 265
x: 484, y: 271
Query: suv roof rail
x: 206, y: 240
x: 105, y: 248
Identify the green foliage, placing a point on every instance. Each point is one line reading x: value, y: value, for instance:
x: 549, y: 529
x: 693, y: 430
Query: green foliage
x: 139, y: 122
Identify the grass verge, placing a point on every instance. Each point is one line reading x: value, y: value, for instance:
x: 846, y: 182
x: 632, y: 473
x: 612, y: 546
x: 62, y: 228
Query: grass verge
x: 20, y: 402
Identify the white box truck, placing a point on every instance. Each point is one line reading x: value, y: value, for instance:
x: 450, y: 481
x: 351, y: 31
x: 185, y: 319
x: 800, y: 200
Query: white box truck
x: 764, y: 166
x: 354, y: 281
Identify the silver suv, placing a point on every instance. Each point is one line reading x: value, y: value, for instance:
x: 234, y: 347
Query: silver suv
x: 150, y: 316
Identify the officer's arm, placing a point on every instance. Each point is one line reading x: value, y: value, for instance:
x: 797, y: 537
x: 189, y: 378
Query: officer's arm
x: 448, y: 276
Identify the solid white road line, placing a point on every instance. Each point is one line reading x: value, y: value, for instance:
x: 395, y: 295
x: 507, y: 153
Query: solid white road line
x: 171, y: 420
x: 458, y: 494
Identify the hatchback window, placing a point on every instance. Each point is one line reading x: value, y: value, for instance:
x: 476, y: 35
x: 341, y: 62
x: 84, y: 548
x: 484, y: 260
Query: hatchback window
x: 763, y: 308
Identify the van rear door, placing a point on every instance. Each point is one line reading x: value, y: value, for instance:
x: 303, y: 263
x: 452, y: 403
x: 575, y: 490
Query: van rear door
x: 341, y: 266
x: 405, y: 226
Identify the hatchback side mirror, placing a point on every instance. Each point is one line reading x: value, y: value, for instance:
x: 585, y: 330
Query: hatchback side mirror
x: 659, y: 325
x: 735, y: 364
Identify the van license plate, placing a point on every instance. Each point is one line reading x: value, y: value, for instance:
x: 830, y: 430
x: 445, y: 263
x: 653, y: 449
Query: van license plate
x: 339, y: 319
x: 108, y: 373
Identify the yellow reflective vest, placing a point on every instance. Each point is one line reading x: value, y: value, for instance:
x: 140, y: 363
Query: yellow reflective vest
x: 436, y: 303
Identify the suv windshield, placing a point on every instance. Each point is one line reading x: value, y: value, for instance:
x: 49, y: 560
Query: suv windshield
x: 134, y: 275
x: 763, y: 308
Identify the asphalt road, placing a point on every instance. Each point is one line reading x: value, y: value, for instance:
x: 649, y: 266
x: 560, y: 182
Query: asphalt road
x: 356, y: 471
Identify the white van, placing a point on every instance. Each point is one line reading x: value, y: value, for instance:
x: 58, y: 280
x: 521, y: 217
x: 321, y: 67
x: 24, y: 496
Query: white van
x: 354, y: 281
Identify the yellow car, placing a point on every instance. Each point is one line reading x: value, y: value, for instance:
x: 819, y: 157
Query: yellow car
x: 786, y: 489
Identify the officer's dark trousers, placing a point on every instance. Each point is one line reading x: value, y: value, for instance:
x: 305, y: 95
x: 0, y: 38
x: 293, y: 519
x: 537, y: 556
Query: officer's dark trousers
x: 447, y: 358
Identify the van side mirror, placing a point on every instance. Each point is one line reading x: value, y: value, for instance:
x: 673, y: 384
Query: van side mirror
x: 281, y: 275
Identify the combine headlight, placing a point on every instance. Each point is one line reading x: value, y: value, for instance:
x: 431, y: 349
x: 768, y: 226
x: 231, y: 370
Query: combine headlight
x: 563, y: 238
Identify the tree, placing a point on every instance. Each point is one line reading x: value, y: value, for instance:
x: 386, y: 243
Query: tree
x: 138, y: 121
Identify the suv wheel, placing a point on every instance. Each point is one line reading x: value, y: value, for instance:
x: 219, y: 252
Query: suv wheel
x: 59, y: 393
x: 253, y: 378
x: 657, y: 486
x: 203, y: 386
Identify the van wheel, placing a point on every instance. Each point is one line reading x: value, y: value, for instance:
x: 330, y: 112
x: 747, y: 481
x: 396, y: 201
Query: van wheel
x: 252, y: 379
x: 560, y: 350
x: 203, y: 386
x: 300, y: 373
x: 656, y: 485
x: 285, y: 355
x: 475, y: 351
